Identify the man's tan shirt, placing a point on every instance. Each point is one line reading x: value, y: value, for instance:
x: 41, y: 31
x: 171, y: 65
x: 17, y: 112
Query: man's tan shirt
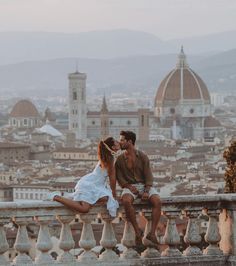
x: 140, y: 173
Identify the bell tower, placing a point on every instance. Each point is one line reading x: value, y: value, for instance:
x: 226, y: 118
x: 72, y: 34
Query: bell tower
x: 77, y: 104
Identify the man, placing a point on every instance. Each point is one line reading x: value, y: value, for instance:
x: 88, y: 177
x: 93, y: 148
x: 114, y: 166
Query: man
x: 135, y: 177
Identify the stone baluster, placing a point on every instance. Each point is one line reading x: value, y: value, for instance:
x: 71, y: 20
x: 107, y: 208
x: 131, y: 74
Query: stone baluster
x: 212, y: 234
x: 151, y: 251
x: 3, y: 243
x: 87, y: 240
x: 171, y: 237
x: 128, y: 240
x: 44, y: 242
x: 22, y: 244
x: 108, y: 240
x: 192, y: 236
x: 66, y: 242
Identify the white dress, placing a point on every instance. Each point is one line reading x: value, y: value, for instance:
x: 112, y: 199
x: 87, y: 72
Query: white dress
x: 93, y: 186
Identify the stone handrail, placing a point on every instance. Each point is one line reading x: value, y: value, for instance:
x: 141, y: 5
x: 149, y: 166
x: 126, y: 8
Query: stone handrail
x: 220, y: 234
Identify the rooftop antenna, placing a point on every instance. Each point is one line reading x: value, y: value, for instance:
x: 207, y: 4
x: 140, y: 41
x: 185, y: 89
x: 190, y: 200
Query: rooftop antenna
x: 76, y: 66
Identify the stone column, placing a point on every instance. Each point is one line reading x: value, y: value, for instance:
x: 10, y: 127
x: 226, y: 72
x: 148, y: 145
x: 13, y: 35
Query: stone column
x: 3, y: 243
x: 171, y: 236
x: 44, y: 243
x: 22, y: 244
x: 192, y: 236
x: 66, y: 242
x: 128, y: 240
x: 108, y: 240
x: 87, y: 240
x: 151, y: 251
x: 212, y: 234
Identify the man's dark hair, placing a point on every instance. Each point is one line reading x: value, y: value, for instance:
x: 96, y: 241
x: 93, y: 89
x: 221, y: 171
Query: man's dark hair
x: 129, y: 135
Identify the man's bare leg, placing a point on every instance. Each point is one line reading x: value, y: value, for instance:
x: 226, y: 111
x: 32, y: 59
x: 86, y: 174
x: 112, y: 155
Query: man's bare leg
x: 79, y: 206
x: 156, y: 214
x: 127, y: 201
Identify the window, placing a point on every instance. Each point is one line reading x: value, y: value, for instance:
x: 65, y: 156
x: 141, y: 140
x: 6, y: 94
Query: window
x: 93, y: 122
x: 25, y: 121
x: 128, y: 122
x: 172, y: 110
x: 142, y: 120
x: 191, y: 111
x: 74, y: 95
x: 111, y: 122
x: 82, y: 94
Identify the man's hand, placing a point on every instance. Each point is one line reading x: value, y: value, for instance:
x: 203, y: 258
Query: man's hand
x: 133, y: 189
x: 145, y: 196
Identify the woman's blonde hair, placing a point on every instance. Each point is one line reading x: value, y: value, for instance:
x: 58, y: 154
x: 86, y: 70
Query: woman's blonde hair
x: 105, y: 154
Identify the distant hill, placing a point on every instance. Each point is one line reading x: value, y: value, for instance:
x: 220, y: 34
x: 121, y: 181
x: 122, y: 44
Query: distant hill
x: 28, y: 46
x: 222, y: 41
x: 33, y: 46
x: 136, y: 73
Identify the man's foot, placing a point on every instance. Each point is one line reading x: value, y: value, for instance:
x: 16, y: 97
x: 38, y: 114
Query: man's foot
x: 51, y: 195
x: 139, y: 238
x: 152, y: 238
x: 139, y: 248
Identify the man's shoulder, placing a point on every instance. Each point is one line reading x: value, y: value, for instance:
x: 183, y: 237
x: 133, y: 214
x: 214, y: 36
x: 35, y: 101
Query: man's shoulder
x: 141, y: 153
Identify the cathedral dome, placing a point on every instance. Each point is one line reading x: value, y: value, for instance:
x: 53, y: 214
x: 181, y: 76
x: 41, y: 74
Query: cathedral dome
x: 24, y: 108
x: 181, y: 84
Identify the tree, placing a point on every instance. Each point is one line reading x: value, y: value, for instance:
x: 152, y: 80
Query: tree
x: 230, y: 172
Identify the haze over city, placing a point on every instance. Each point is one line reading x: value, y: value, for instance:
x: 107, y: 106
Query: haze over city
x: 127, y: 103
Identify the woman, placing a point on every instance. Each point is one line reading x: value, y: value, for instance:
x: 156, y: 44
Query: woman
x: 94, y: 187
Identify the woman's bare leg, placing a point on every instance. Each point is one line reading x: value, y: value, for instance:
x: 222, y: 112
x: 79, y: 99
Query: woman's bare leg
x: 102, y: 200
x: 80, y: 206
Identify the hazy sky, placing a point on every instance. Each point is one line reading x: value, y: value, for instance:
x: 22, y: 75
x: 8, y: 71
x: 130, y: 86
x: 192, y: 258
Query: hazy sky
x: 165, y: 18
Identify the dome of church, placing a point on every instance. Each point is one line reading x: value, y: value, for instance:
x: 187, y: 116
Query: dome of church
x: 24, y: 108
x: 181, y: 84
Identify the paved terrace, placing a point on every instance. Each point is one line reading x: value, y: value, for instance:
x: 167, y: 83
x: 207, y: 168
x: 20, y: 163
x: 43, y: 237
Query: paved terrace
x: 220, y: 234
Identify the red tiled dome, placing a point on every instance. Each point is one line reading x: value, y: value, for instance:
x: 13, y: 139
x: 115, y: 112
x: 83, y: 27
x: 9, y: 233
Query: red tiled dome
x: 24, y: 108
x: 182, y: 83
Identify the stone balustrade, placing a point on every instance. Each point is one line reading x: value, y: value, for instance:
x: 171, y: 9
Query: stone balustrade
x: 220, y: 235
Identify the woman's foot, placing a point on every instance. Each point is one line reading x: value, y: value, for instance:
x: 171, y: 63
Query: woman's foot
x: 50, y: 195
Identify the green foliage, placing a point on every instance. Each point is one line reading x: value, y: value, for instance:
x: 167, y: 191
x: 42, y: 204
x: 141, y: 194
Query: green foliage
x: 230, y: 172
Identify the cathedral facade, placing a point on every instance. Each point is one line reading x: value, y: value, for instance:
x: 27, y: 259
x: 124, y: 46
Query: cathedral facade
x: 182, y: 110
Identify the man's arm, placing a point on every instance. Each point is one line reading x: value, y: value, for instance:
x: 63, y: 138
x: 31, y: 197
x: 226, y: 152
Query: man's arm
x: 147, y: 173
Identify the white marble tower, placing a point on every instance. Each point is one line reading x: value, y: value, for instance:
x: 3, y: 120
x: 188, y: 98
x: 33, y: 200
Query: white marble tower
x: 77, y: 104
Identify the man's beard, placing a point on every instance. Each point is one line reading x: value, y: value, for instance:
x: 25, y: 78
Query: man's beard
x: 123, y: 148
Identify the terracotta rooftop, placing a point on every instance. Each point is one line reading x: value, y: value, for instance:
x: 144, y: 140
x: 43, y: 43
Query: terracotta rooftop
x: 211, y: 122
x: 11, y: 145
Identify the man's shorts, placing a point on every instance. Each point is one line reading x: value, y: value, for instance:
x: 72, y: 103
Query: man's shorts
x: 140, y: 187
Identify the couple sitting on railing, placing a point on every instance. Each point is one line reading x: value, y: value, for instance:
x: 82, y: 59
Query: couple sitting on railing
x: 131, y: 169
